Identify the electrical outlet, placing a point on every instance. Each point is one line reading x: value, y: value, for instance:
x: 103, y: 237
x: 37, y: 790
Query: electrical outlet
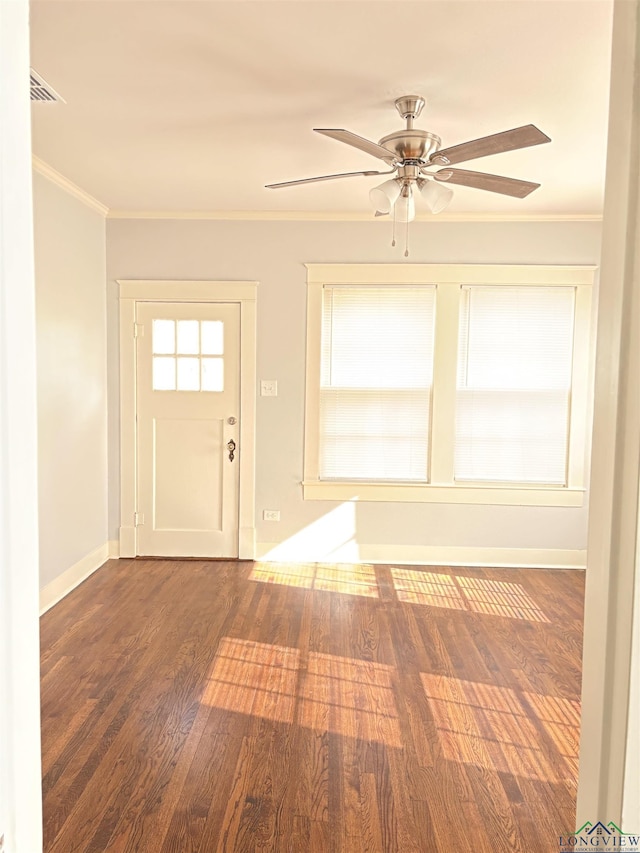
x: 271, y: 515
x: 269, y: 388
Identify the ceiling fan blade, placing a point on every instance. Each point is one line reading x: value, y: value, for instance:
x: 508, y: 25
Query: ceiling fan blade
x: 484, y: 181
x: 359, y: 142
x: 497, y: 143
x: 322, y: 178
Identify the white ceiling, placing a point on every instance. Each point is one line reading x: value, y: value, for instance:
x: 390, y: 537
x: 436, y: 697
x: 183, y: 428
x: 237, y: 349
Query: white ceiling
x: 193, y: 105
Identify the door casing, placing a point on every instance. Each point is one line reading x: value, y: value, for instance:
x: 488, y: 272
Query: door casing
x: 245, y: 294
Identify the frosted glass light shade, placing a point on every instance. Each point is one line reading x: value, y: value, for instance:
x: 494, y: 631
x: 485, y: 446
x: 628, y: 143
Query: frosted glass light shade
x: 405, y: 208
x: 383, y: 197
x: 436, y: 196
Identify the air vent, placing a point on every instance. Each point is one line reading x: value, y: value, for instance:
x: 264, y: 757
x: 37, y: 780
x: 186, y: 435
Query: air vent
x: 41, y: 90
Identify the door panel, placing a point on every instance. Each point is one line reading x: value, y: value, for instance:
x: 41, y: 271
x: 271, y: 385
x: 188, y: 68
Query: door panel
x: 188, y: 459
x: 187, y: 389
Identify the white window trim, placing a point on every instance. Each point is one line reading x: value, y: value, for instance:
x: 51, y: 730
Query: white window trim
x: 449, y: 279
x: 245, y: 294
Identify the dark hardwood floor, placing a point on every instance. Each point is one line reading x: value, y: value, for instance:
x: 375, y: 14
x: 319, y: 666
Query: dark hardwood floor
x: 196, y: 707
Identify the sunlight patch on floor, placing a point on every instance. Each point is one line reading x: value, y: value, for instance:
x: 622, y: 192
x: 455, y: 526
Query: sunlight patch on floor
x: 433, y: 588
x: 350, y: 697
x: 254, y: 678
x: 488, y: 725
x: 349, y: 579
x: 560, y: 719
x: 500, y: 598
x: 461, y: 592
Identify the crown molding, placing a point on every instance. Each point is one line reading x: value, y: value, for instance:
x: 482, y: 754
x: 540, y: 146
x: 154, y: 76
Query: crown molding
x: 343, y: 216
x: 68, y: 186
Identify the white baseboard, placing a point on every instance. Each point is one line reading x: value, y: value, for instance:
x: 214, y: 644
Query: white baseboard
x: 114, y: 549
x: 53, y: 592
x: 426, y: 555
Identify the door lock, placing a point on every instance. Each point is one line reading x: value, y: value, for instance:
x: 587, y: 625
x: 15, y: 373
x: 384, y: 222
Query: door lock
x: 232, y: 421
x: 231, y: 447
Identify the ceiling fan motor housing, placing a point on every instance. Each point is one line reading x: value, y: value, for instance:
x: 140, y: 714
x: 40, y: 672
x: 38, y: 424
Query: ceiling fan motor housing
x: 411, y: 144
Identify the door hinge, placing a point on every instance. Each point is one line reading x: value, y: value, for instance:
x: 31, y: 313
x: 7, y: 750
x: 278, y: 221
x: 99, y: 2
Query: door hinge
x: 138, y: 330
x: 138, y: 518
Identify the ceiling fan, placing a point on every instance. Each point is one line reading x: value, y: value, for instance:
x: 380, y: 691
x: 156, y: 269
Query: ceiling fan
x: 412, y: 153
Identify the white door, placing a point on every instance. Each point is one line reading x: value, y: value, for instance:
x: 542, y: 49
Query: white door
x: 187, y: 408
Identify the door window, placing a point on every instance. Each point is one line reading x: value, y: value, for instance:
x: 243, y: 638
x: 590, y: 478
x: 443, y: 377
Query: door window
x: 188, y: 355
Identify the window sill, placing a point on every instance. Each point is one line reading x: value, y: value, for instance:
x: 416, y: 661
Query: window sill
x: 316, y: 490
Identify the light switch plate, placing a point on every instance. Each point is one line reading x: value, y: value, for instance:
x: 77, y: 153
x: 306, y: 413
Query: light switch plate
x: 268, y: 388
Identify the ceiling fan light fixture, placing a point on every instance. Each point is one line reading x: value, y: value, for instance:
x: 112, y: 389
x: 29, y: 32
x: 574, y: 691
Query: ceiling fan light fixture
x: 405, y: 206
x: 436, y: 196
x: 384, y: 196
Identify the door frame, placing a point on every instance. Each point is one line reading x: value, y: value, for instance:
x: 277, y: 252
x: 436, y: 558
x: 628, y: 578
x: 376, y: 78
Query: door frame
x: 244, y: 293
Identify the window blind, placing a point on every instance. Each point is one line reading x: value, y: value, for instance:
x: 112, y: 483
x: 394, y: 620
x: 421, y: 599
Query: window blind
x: 375, y: 385
x: 515, y: 353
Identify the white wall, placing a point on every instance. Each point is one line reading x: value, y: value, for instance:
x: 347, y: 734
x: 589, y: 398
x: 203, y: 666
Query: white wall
x: 274, y: 253
x: 72, y: 380
x: 20, y: 765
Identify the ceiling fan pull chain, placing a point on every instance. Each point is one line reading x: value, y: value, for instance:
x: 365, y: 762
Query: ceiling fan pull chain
x: 406, y: 239
x: 393, y: 231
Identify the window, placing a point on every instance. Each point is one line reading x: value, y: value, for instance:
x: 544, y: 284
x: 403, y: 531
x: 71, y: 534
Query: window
x: 375, y: 386
x: 447, y: 383
x: 515, y: 354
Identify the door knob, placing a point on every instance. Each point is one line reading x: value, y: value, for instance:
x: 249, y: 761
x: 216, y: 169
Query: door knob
x: 231, y: 447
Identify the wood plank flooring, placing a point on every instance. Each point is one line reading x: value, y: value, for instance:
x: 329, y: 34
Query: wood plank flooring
x: 201, y: 707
